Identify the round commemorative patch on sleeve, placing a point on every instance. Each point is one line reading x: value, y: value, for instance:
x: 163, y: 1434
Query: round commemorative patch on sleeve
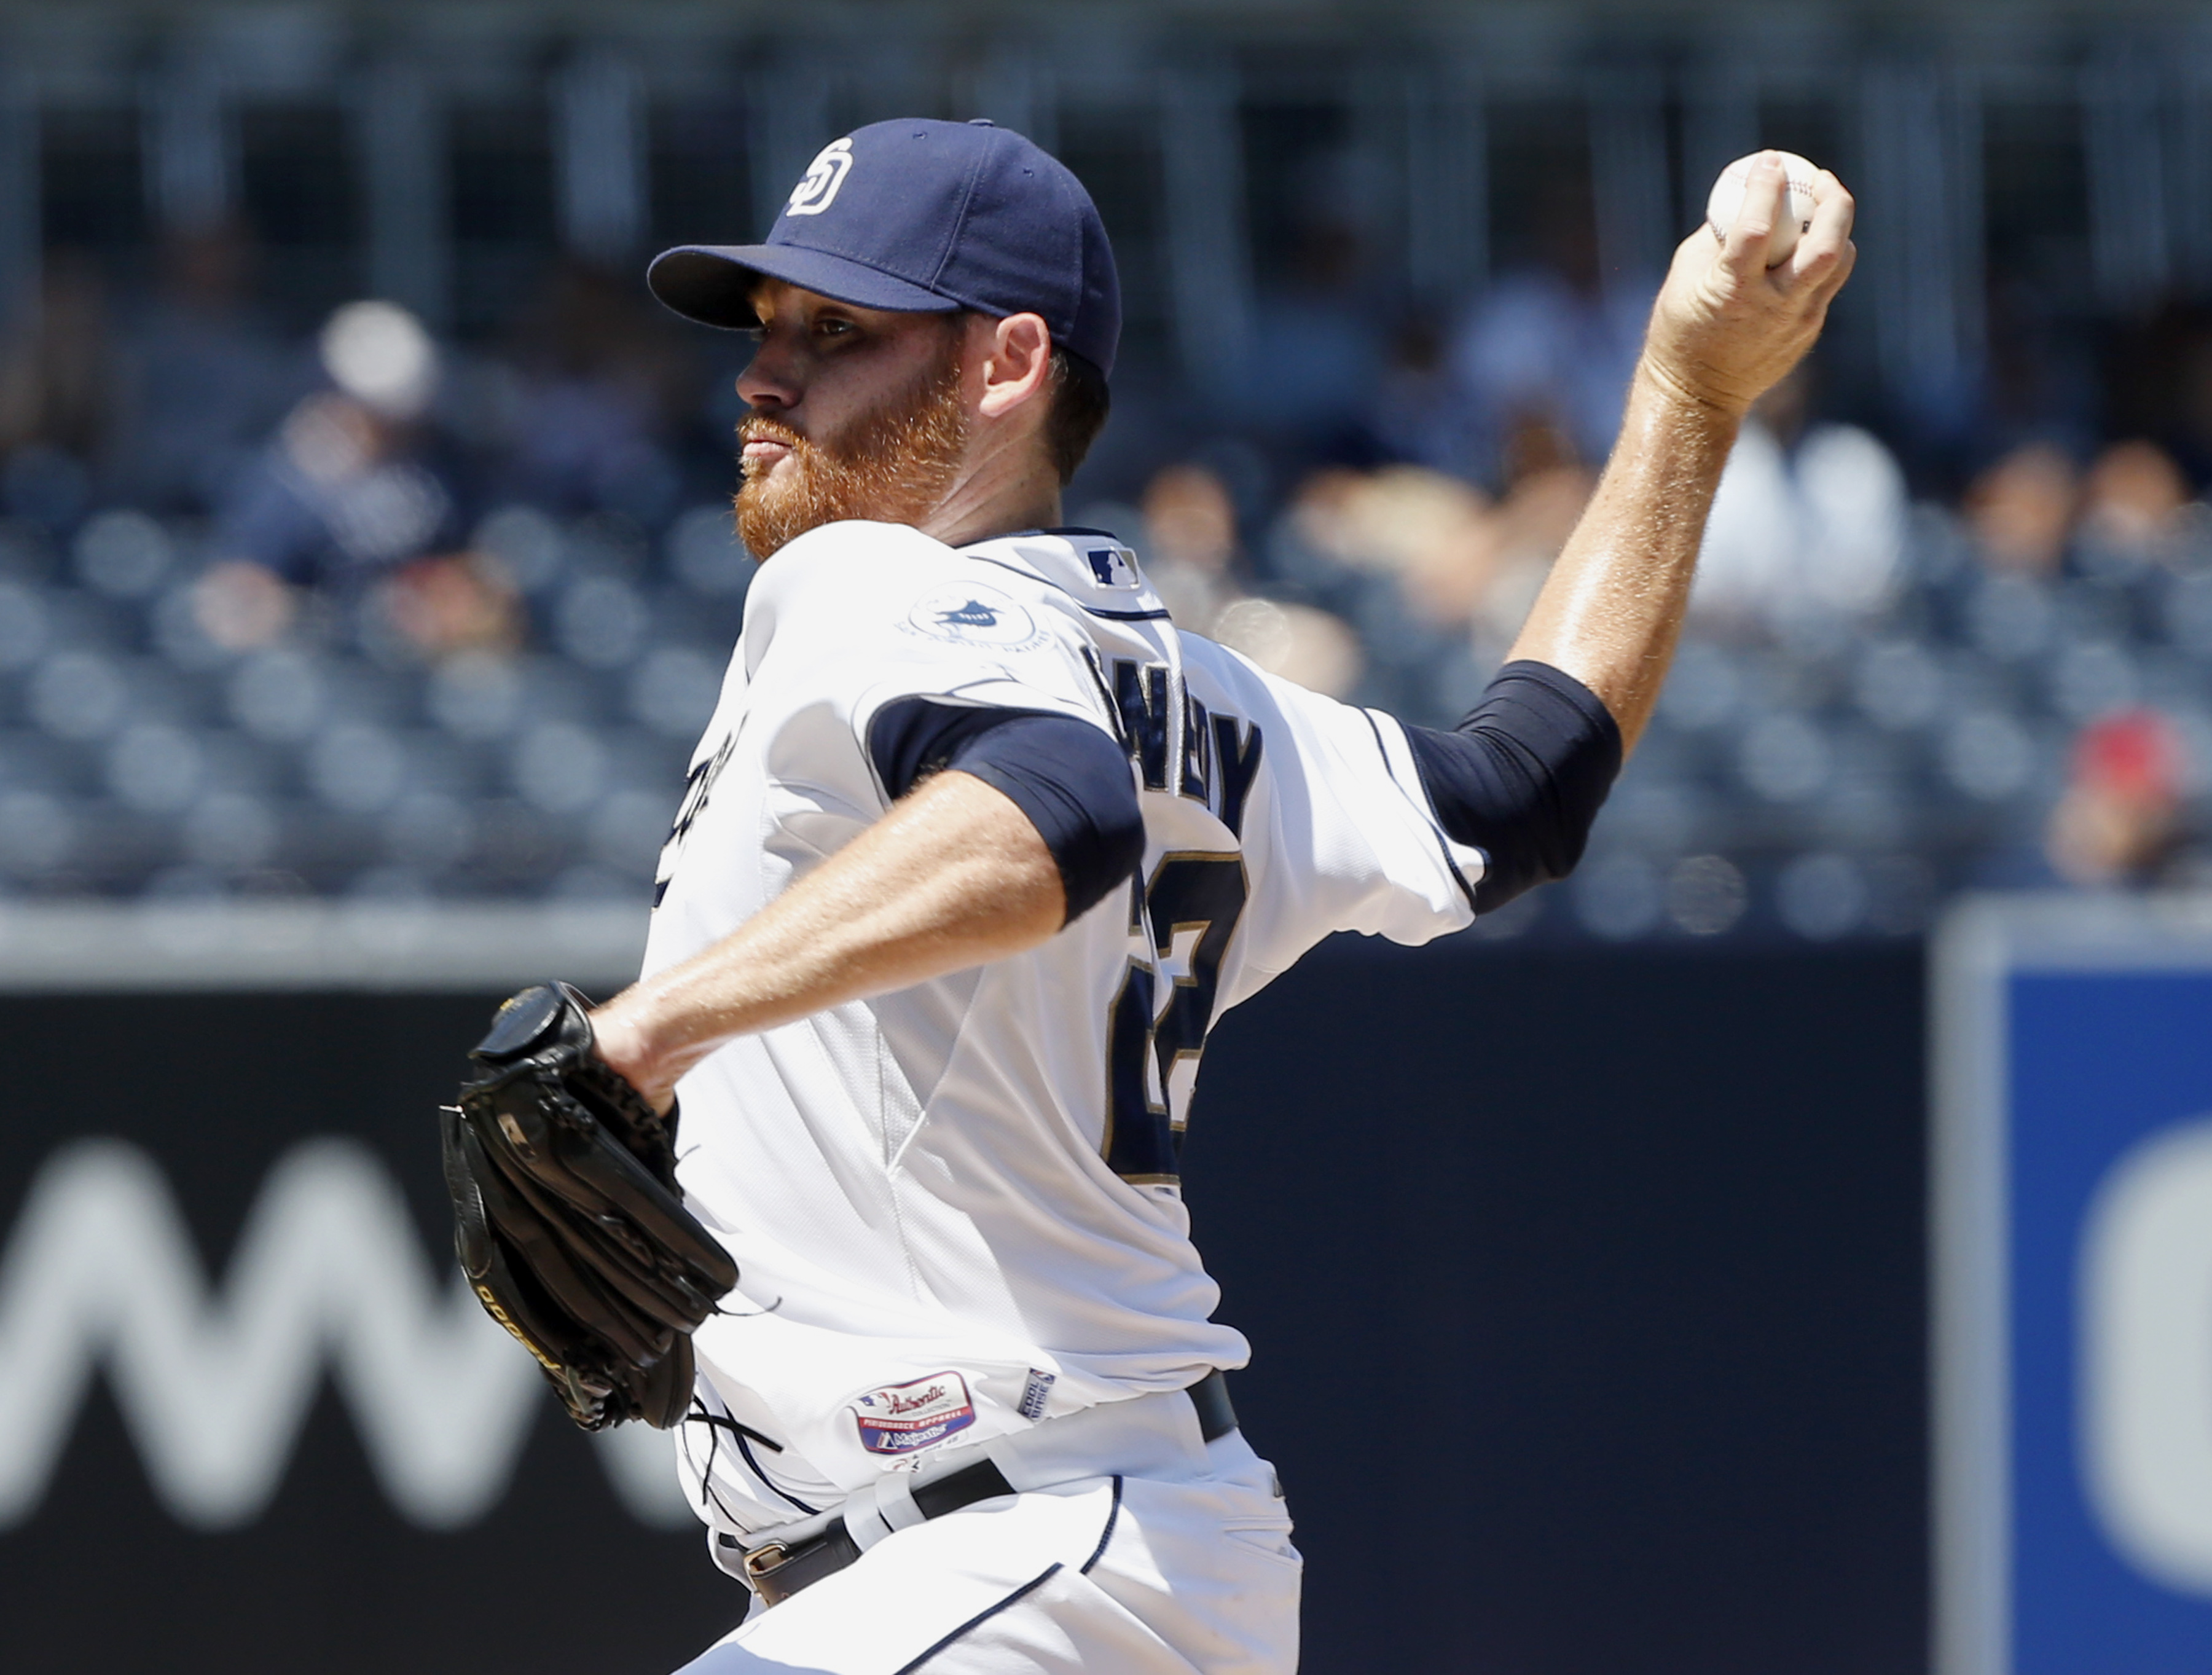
x: 966, y: 614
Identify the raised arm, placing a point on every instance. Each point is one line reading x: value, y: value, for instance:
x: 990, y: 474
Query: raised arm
x: 1724, y: 331
x: 1521, y: 779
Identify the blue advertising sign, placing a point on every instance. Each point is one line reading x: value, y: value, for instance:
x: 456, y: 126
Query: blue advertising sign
x: 2072, y: 1226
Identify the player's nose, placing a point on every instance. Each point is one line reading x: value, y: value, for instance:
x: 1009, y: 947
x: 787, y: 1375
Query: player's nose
x: 770, y: 380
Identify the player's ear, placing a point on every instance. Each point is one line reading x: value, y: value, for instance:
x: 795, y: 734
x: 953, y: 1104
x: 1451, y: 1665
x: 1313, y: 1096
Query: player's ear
x: 1017, y: 365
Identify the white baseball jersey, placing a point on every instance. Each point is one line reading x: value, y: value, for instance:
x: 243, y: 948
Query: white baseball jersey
x: 955, y: 1208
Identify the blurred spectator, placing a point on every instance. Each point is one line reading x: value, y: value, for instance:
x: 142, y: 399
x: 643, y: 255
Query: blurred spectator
x: 1433, y: 576
x: 599, y: 381
x: 1547, y: 487
x: 1190, y: 541
x: 61, y: 394
x: 208, y: 376
x: 1553, y: 343
x: 2118, y: 821
x: 2188, y: 373
x: 1317, y: 335
x: 2133, y: 503
x: 1459, y: 563
x: 454, y: 603
x: 2037, y: 383
x: 1192, y: 560
x: 238, y: 605
x: 1421, y: 413
x: 1808, y: 523
x: 2021, y: 510
x: 1421, y: 537
x: 2157, y: 382
x: 342, y: 490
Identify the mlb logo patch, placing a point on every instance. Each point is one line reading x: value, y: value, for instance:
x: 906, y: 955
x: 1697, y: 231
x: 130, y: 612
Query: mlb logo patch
x: 1113, y: 566
x: 902, y: 1418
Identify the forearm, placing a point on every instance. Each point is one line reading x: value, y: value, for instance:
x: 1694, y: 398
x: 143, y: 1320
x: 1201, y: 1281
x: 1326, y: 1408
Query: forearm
x: 1612, y: 610
x: 1725, y: 328
x: 954, y: 875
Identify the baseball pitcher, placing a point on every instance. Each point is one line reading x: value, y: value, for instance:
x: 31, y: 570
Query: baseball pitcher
x: 868, y: 1188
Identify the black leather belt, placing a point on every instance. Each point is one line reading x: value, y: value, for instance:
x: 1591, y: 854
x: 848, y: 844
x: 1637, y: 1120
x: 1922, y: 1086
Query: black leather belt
x: 778, y: 1569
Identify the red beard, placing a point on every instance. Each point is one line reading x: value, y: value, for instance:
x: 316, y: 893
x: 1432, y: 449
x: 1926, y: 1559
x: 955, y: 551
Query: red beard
x: 894, y: 466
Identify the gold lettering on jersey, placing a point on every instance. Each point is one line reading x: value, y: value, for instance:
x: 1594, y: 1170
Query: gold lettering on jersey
x: 1215, y: 758
x: 1194, y: 775
x: 1140, y: 694
x: 1236, y: 764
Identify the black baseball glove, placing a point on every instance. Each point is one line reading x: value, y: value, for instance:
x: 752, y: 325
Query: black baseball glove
x: 569, y: 1221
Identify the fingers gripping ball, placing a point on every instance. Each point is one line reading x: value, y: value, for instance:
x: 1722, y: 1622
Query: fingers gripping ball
x: 567, y: 1219
x: 1726, y: 203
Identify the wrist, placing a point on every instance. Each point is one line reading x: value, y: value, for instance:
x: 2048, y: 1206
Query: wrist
x: 624, y: 1042
x: 1687, y: 400
x: 1675, y: 417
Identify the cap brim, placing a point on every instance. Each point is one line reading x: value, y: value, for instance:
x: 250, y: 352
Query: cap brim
x: 714, y: 283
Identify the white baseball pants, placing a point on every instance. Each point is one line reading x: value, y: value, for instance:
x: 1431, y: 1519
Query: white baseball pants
x: 1128, y: 1576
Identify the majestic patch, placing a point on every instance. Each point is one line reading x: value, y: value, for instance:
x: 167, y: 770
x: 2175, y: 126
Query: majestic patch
x: 971, y: 615
x: 904, y: 1417
x: 1113, y: 566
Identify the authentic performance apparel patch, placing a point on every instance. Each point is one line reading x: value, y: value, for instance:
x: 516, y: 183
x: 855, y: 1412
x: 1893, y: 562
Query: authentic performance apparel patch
x: 902, y: 1418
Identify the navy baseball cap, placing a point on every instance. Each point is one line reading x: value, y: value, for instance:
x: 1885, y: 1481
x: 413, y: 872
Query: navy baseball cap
x: 921, y: 216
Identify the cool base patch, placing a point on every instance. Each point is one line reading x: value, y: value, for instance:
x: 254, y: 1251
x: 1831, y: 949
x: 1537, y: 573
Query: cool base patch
x: 901, y: 1419
x: 1035, y: 1392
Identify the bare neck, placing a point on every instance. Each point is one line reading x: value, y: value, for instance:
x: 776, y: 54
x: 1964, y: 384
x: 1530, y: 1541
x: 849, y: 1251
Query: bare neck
x: 1004, y: 489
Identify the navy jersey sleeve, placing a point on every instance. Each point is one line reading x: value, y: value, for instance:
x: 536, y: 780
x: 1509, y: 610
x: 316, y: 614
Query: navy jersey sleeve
x: 1068, y: 776
x: 1522, y: 778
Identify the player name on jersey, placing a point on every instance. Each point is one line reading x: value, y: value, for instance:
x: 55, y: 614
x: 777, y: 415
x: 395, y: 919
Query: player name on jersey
x: 1220, y: 754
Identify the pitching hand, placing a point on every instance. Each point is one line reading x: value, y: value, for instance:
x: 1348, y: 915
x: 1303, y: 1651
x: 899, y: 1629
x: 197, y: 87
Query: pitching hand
x: 1726, y: 326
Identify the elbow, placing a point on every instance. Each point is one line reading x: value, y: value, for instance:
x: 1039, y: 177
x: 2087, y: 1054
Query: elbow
x: 1522, y: 778
x: 1544, y: 845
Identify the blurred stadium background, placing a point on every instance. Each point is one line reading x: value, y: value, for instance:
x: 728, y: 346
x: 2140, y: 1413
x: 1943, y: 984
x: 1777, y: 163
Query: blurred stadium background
x: 364, y: 553
x: 300, y: 595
